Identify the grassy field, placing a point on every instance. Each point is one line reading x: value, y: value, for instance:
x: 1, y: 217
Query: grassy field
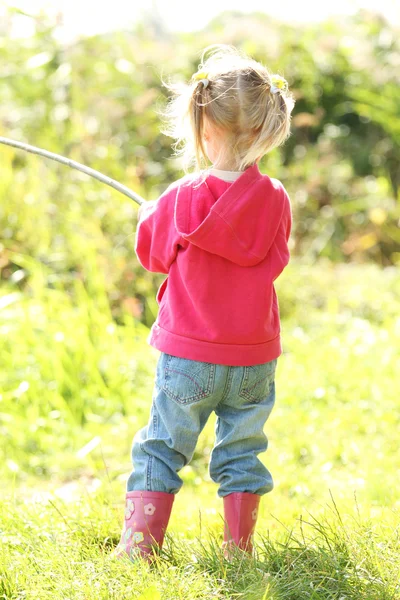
x: 75, y: 387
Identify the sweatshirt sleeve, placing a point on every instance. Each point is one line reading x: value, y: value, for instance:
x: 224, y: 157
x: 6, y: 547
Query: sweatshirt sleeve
x: 287, y: 217
x: 280, y: 252
x: 157, y: 239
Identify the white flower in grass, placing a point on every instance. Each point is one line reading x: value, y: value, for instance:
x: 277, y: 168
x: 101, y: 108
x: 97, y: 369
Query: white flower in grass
x: 129, y: 509
x: 254, y: 514
x: 149, y: 509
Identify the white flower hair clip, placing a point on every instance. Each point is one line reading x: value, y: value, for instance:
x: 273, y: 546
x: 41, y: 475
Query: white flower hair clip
x: 279, y: 84
x: 201, y: 77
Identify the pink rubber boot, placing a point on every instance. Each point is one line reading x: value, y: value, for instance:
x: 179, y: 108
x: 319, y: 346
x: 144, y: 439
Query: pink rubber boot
x: 146, y: 519
x: 240, y: 511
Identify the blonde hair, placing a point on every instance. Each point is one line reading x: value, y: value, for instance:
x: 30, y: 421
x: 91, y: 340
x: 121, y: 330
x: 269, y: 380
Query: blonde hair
x: 237, y: 96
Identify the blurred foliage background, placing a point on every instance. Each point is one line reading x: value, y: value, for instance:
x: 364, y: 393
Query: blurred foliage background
x: 74, y: 300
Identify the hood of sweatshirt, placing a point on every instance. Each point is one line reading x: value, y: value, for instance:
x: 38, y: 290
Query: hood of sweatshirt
x: 240, y: 225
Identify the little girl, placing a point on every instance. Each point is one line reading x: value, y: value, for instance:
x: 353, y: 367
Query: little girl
x: 221, y: 235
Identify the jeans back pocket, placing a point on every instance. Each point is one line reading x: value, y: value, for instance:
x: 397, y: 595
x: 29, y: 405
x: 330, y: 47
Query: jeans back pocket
x: 186, y: 381
x: 257, y: 381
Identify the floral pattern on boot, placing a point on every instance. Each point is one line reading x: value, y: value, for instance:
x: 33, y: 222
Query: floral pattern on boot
x: 149, y: 509
x: 129, y: 509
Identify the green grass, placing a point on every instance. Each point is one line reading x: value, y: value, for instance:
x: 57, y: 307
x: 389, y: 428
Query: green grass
x: 75, y: 386
x: 58, y: 550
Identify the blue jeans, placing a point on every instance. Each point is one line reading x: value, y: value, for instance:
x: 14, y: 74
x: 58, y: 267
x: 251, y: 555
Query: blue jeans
x: 186, y: 392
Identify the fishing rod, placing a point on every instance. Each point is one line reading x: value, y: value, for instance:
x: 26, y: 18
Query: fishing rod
x: 75, y: 165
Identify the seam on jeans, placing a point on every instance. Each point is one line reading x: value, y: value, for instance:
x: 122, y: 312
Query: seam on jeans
x: 227, y: 386
x: 148, y: 474
x: 150, y: 461
x: 246, y: 377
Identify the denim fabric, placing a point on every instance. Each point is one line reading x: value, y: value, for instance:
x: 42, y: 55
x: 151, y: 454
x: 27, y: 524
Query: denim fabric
x: 186, y: 392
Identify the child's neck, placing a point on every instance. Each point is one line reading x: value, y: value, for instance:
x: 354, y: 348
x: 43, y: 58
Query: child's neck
x: 224, y: 166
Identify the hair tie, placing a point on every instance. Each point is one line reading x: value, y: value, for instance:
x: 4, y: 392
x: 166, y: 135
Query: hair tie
x: 279, y: 84
x: 201, y: 77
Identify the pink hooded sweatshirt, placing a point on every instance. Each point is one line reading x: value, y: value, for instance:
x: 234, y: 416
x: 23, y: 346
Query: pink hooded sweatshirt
x: 222, y: 245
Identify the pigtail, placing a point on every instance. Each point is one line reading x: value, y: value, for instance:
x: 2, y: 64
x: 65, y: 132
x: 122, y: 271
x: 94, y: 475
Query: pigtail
x: 196, y: 110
